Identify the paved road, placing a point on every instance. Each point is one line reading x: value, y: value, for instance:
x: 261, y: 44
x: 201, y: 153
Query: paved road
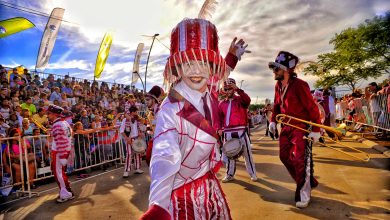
x: 348, y: 189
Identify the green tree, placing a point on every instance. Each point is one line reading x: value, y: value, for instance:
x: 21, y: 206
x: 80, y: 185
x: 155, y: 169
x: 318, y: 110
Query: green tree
x: 254, y: 107
x: 359, y: 53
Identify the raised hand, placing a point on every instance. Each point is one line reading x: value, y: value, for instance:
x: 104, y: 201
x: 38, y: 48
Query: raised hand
x: 238, y: 48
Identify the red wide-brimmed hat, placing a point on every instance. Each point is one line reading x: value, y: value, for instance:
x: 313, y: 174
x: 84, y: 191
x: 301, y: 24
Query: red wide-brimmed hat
x: 194, y: 39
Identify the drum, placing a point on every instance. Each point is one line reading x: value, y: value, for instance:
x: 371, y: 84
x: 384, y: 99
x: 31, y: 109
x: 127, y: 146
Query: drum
x: 139, y: 146
x: 233, y: 148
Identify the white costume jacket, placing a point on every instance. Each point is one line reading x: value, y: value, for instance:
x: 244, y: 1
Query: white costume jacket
x: 186, y: 156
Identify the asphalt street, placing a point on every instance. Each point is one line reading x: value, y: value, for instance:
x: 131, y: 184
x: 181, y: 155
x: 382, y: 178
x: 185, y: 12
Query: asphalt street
x: 348, y: 189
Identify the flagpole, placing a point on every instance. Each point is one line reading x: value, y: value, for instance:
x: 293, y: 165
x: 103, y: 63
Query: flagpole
x: 132, y: 80
x: 147, y: 61
x: 142, y: 82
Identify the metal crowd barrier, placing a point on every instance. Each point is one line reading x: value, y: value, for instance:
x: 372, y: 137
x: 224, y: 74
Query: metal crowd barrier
x: 89, y: 150
x: 257, y: 119
x: 13, y: 166
x: 373, y: 113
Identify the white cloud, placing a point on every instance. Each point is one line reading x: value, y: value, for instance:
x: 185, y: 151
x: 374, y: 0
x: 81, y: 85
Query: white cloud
x: 303, y: 27
x: 11, y: 65
x: 71, y: 64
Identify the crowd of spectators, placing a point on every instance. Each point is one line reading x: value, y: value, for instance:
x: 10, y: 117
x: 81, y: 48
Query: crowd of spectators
x: 368, y: 107
x: 26, y: 96
x: 365, y: 110
x: 88, y: 107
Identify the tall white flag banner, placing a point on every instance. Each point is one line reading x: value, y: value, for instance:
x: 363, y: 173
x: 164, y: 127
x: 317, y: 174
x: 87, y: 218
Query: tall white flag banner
x: 137, y: 58
x: 49, y: 37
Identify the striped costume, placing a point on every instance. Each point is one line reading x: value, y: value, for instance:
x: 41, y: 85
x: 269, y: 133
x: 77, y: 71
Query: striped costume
x: 60, y: 149
x: 130, y: 129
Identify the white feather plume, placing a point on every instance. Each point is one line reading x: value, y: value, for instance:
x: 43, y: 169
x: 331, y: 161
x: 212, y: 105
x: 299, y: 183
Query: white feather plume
x: 207, y: 9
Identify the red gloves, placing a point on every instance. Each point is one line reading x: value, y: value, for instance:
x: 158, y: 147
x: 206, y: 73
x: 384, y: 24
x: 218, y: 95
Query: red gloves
x: 231, y: 60
x: 156, y: 212
x: 148, y: 156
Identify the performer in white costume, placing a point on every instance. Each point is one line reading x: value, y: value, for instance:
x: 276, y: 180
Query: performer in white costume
x: 129, y: 130
x: 186, y: 147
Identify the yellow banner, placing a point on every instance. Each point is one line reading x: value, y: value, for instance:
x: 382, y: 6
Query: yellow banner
x: 103, y: 54
x: 14, y: 25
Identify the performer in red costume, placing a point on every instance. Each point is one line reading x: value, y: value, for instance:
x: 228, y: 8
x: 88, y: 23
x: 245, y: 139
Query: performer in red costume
x: 61, y: 132
x: 153, y: 100
x: 185, y: 154
x: 233, y: 110
x: 293, y: 97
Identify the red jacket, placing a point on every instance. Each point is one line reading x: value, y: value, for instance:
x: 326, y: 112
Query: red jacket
x: 297, y: 102
x: 239, y: 109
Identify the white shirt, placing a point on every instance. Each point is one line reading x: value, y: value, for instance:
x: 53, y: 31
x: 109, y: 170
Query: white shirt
x: 332, y: 106
x: 374, y: 104
x: 133, y: 127
x: 194, y: 96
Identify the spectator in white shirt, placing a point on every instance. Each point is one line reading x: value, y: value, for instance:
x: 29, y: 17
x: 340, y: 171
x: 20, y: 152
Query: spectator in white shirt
x: 374, y: 102
x: 5, y: 109
x: 55, y: 95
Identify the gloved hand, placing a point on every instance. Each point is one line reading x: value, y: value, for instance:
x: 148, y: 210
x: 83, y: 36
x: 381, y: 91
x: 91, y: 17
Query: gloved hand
x: 63, y: 162
x: 156, y: 212
x: 238, y: 48
x: 272, y: 127
x: 315, y: 136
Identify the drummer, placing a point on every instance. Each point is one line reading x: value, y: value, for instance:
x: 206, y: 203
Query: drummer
x: 233, y: 110
x: 129, y: 130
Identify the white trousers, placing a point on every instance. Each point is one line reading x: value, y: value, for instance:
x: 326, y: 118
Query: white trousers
x: 247, y: 153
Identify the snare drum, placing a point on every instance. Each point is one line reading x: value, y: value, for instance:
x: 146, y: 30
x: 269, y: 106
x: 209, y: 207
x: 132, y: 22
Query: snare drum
x: 233, y: 148
x: 139, y: 146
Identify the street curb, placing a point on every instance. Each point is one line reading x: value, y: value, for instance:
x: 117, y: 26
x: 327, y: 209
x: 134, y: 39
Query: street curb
x: 369, y: 143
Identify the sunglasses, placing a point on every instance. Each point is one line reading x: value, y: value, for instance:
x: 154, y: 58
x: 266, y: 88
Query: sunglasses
x: 228, y: 89
x: 275, y: 69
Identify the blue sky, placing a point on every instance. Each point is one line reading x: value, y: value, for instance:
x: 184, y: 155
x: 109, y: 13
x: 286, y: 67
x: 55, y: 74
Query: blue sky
x: 303, y: 27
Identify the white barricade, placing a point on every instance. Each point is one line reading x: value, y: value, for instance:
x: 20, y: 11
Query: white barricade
x: 14, y: 153
x: 28, y: 158
x: 98, y: 148
x: 257, y: 119
x: 371, y: 112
